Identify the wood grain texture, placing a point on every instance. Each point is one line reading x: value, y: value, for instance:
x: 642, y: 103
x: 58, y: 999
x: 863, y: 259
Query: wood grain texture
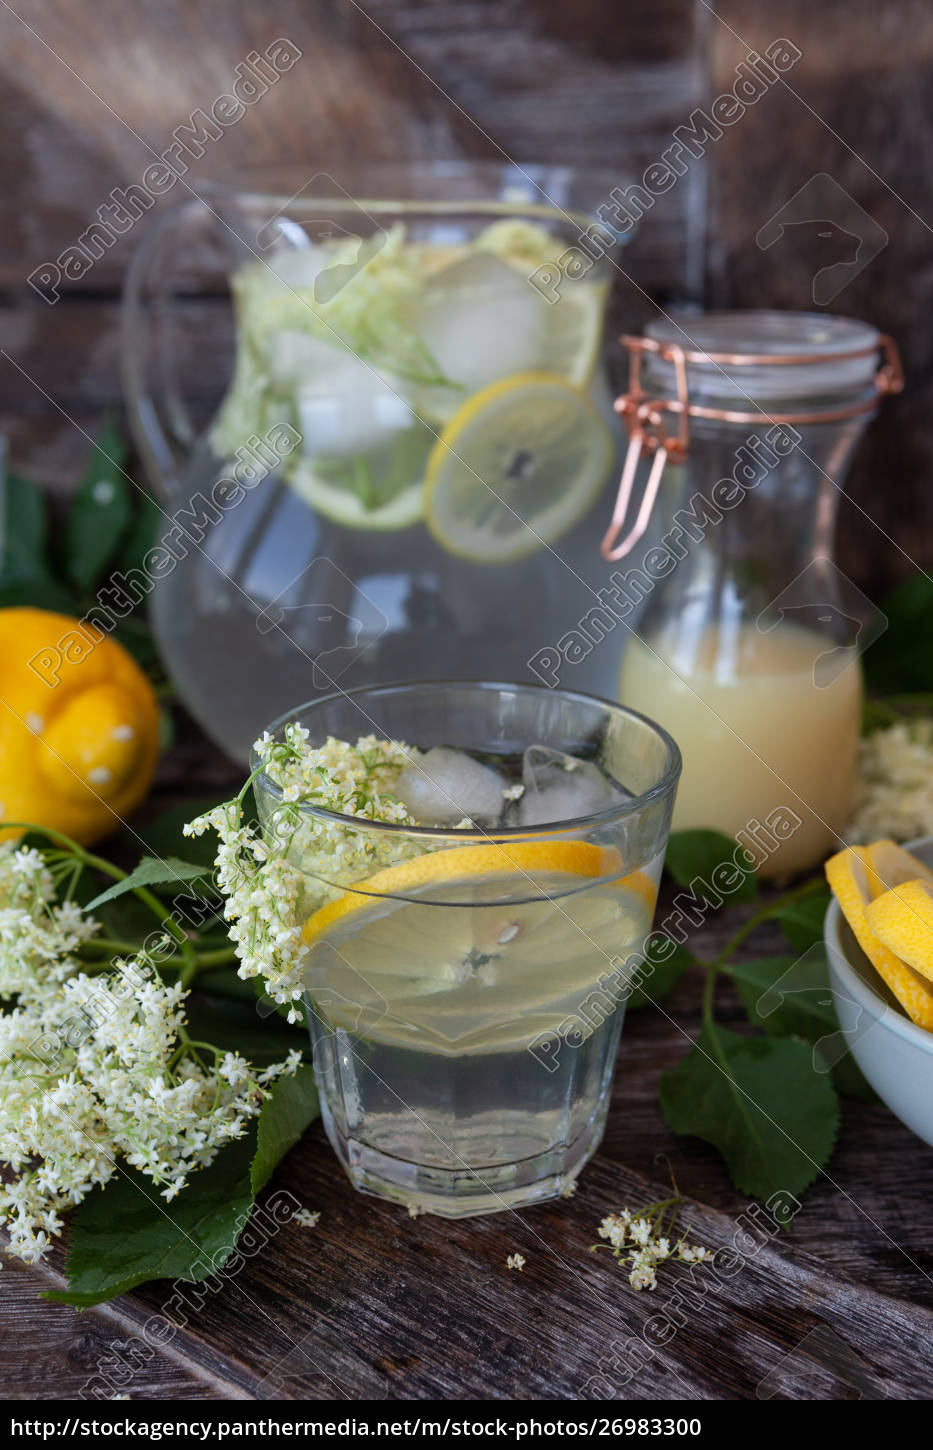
x: 858, y: 112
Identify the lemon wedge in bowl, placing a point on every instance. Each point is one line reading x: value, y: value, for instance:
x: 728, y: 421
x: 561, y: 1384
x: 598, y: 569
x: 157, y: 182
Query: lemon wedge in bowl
x: 848, y: 875
x: 515, y: 468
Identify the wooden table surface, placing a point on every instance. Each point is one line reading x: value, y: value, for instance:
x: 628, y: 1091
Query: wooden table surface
x: 374, y: 1304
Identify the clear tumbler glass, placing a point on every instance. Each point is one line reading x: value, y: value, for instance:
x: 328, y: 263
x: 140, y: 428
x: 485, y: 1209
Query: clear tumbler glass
x: 466, y: 988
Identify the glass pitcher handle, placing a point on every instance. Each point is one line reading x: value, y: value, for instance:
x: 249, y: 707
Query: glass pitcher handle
x: 159, y: 420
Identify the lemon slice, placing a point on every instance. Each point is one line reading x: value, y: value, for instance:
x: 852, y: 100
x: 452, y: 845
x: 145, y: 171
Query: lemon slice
x: 890, y: 865
x: 490, y: 972
x: 903, y: 920
x: 575, y: 331
x: 379, y: 489
x: 339, y: 504
x: 515, y: 468
x: 468, y: 863
x: 848, y: 875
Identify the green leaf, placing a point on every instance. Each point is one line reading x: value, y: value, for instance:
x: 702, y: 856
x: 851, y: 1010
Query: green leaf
x: 788, y: 996
x: 802, y: 922
x: 127, y: 918
x: 286, y: 1114
x: 760, y: 1102
x: 663, y: 979
x: 697, y: 854
x: 38, y: 594
x: 900, y: 660
x: 124, y: 1234
x: 151, y: 872
x: 24, y: 524
x: 148, y: 518
x: 100, y: 513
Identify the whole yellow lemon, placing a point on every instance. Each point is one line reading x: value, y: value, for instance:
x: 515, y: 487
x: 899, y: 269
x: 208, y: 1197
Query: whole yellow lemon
x: 79, y: 725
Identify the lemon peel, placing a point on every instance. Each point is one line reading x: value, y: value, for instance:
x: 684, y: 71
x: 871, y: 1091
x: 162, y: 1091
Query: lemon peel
x: 847, y: 874
x: 903, y: 920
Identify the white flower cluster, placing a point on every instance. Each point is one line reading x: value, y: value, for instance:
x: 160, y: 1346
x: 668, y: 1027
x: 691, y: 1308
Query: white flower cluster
x: 96, y: 1068
x: 894, y: 794
x: 273, y: 881
x: 37, y: 938
x: 636, y: 1241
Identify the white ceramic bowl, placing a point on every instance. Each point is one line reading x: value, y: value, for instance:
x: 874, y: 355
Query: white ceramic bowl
x: 895, y: 1055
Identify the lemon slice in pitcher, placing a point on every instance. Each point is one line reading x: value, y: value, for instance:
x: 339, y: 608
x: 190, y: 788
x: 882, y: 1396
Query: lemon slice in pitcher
x: 340, y: 504
x: 575, y: 332
x: 515, y: 468
x: 379, y: 489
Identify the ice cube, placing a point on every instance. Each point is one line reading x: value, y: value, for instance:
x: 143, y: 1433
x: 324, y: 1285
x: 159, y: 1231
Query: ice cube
x: 445, y: 786
x: 345, y: 406
x: 481, y: 321
x: 560, y: 787
x: 298, y: 265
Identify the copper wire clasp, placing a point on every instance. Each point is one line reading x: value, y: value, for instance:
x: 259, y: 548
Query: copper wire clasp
x: 645, y: 417
x: 644, y: 420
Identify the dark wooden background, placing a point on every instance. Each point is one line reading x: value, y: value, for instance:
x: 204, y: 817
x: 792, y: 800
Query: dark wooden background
x: 93, y: 87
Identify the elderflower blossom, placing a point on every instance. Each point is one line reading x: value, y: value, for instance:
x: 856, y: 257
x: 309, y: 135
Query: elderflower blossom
x: 894, y: 790
x: 97, y: 1068
x: 638, y: 1242
x: 515, y: 1261
x: 306, y: 1218
x: 275, y: 878
x: 37, y: 937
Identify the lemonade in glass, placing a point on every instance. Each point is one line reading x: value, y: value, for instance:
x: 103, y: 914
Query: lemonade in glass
x: 466, y: 975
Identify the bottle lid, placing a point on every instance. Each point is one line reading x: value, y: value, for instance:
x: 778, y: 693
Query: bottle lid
x: 764, y: 356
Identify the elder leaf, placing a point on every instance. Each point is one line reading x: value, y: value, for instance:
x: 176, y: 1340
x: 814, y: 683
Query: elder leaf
x: 760, y: 1102
x: 802, y: 922
x: 124, y: 1234
x: 293, y: 1105
x: 698, y: 854
x: 152, y: 871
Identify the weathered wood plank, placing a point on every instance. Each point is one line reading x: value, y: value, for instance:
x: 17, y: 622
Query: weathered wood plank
x: 372, y: 1304
x: 51, y: 1352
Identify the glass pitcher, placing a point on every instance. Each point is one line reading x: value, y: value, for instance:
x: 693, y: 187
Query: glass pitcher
x: 747, y: 649
x: 407, y: 473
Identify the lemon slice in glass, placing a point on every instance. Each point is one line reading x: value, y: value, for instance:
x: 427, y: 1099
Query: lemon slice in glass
x: 420, y: 971
x: 515, y: 468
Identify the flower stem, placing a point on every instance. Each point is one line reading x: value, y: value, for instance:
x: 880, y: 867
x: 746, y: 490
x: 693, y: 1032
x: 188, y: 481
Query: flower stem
x: 116, y: 873
x: 799, y: 893
x: 219, y: 958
